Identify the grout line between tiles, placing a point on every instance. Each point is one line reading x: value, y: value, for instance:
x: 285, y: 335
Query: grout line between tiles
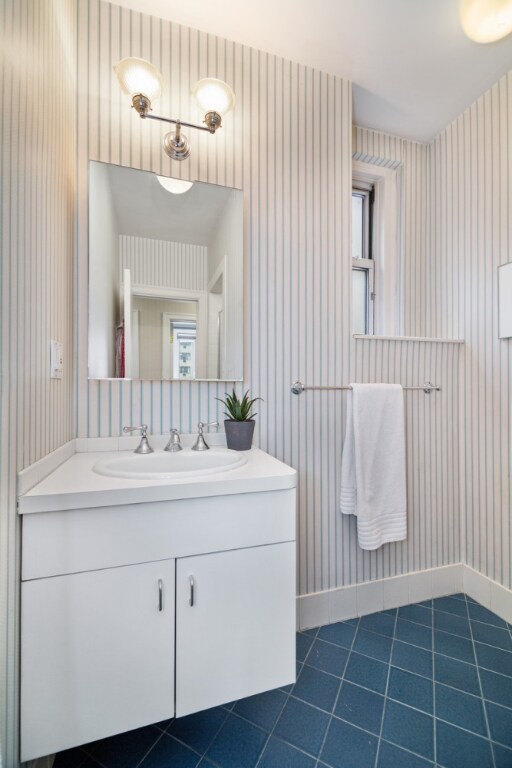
x: 422, y: 648
x: 482, y: 694
x: 162, y: 734
x: 386, y: 693
x: 203, y: 755
x: 288, y: 696
x: 404, y: 669
x: 313, y: 636
x: 434, y: 690
x: 410, y: 752
x: 336, y: 698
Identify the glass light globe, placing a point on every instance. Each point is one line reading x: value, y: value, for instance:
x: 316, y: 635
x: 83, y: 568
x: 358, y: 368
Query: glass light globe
x: 486, y: 21
x: 139, y: 76
x: 214, y: 95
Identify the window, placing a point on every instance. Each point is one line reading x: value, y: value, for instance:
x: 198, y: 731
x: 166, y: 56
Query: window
x: 375, y: 264
x: 184, y: 349
x: 363, y: 294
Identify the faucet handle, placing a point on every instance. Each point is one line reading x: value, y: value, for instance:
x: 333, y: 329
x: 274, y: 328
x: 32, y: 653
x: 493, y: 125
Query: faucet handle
x: 174, y: 444
x: 201, y: 425
x: 201, y: 444
x: 144, y: 446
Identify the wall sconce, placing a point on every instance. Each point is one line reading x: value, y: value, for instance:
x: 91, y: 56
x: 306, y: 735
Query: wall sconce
x: 140, y: 80
x: 486, y: 21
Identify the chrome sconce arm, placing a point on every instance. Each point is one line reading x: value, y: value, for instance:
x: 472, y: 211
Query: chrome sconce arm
x: 143, y: 82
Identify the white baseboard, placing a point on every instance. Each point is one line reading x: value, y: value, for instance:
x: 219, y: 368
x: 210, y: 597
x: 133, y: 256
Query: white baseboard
x: 489, y: 593
x: 333, y: 605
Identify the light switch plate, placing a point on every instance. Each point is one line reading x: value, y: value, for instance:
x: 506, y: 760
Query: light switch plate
x: 56, y: 359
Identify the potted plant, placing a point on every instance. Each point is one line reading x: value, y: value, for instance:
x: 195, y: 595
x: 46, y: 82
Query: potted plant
x: 240, y: 423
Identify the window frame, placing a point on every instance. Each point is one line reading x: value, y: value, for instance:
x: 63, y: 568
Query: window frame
x: 385, y: 244
x: 366, y: 264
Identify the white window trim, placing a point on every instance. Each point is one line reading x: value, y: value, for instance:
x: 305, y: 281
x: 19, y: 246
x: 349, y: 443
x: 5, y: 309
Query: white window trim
x: 385, y: 244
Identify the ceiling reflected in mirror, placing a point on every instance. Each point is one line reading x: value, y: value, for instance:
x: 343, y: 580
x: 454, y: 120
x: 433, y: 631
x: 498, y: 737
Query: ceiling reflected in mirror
x: 165, y: 277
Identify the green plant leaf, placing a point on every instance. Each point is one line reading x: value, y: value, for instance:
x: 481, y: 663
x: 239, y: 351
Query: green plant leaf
x: 236, y: 409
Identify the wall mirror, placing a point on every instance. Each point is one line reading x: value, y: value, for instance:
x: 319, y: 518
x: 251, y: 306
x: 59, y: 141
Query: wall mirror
x: 165, y: 277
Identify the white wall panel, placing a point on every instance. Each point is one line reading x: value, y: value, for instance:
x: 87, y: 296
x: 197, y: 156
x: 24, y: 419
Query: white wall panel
x: 288, y: 145
x: 36, y: 279
x: 432, y: 440
x: 296, y: 234
x: 164, y: 263
x: 471, y: 171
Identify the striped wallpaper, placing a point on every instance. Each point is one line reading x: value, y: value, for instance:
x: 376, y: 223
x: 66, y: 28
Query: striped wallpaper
x: 38, y: 255
x: 162, y: 263
x: 432, y: 442
x: 467, y: 202
x: 296, y: 217
x: 296, y: 179
x: 288, y: 144
x: 471, y: 203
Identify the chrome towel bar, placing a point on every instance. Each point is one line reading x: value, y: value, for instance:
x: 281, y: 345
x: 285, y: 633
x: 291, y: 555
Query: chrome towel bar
x: 298, y: 387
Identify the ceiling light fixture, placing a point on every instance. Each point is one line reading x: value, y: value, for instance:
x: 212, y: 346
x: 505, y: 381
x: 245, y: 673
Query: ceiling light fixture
x: 176, y: 186
x: 486, y: 21
x: 140, y: 80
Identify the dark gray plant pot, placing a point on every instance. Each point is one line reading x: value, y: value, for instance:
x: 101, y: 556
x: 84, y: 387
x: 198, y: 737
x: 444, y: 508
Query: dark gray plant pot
x: 239, y: 434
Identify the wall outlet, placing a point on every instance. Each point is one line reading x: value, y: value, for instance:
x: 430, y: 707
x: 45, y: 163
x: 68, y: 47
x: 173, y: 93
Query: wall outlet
x: 56, y: 359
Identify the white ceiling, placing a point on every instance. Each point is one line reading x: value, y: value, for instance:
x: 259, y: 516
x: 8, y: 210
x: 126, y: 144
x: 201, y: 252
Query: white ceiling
x: 413, y: 68
x: 145, y: 209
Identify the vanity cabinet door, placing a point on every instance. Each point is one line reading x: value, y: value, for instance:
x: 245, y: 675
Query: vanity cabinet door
x: 97, y: 655
x: 235, y: 625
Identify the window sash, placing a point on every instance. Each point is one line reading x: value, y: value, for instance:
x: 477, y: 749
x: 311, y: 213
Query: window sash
x: 366, y: 264
x: 363, y: 226
x: 368, y: 267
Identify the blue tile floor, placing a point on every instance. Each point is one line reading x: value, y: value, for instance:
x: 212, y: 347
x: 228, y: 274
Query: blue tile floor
x: 415, y: 687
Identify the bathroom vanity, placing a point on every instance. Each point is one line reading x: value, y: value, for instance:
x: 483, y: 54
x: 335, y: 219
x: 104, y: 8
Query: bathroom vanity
x: 145, y: 599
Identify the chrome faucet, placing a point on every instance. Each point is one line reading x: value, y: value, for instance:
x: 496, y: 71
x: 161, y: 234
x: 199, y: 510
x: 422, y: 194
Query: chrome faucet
x: 144, y: 446
x: 174, y: 444
x: 201, y: 444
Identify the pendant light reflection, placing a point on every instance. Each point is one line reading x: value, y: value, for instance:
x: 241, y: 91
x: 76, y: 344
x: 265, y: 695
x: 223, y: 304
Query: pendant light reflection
x: 175, y: 186
x: 486, y: 21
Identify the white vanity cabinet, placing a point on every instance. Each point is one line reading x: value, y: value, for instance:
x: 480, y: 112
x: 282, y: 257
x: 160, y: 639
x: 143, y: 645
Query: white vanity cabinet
x: 233, y: 615
x: 136, y: 612
x: 97, y: 655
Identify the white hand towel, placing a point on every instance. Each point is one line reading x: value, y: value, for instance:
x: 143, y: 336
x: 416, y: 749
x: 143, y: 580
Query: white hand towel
x: 348, y: 496
x: 373, y: 484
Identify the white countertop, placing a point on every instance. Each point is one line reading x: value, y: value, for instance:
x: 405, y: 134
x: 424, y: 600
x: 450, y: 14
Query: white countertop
x: 74, y: 484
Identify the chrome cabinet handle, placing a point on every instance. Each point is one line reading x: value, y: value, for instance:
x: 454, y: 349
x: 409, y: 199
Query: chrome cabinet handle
x: 192, y: 592
x: 160, y: 595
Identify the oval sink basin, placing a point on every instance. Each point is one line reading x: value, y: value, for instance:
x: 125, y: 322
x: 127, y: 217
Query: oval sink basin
x: 171, y: 466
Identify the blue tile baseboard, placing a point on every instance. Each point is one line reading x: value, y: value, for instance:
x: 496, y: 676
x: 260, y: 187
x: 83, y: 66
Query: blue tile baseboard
x: 426, y: 686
